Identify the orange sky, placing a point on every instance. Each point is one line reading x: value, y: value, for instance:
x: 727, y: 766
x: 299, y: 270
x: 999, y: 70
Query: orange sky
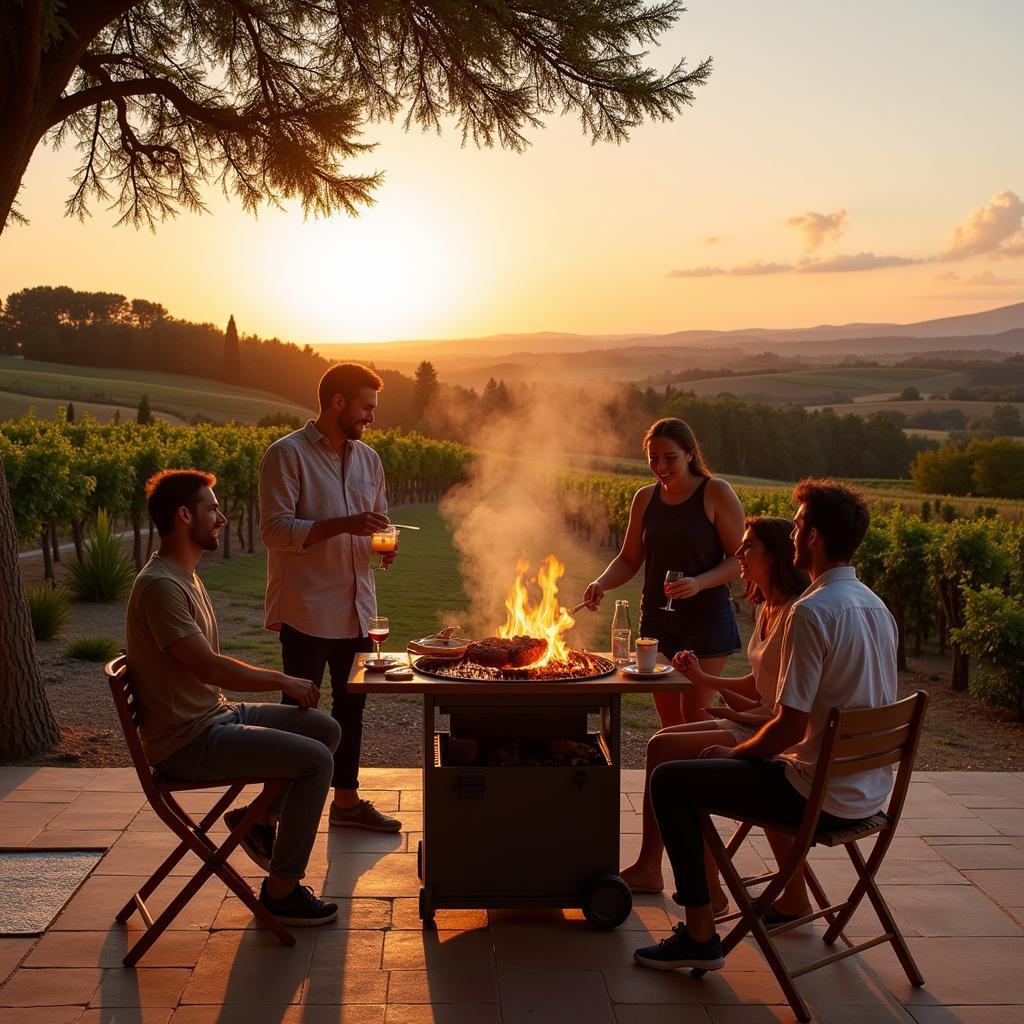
x: 830, y: 136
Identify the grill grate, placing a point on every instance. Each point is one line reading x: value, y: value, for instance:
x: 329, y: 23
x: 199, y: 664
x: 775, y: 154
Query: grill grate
x: 582, y: 666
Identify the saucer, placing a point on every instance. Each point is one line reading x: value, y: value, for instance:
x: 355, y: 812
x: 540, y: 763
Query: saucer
x: 381, y: 665
x: 635, y: 673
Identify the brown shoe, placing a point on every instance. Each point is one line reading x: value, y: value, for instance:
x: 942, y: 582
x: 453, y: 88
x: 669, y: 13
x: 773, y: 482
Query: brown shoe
x: 363, y: 815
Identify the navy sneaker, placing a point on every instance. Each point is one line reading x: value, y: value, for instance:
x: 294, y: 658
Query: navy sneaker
x: 258, y: 842
x: 301, y: 908
x: 680, y: 950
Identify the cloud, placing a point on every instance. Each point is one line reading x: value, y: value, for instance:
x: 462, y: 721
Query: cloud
x: 844, y: 263
x: 986, y: 279
x: 712, y: 240
x: 759, y: 267
x: 849, y: 262
x: 698, y: 272
x: 996, y: 228
x: 755, y: 269
x: 818, y: 228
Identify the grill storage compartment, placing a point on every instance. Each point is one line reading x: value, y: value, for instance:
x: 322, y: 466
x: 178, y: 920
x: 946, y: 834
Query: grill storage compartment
x: 517, y: 835
x: 495, y: 835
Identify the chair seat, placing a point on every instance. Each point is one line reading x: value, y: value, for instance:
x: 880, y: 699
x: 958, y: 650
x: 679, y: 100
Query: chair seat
x: 166, y: 785
x: 855, y: 830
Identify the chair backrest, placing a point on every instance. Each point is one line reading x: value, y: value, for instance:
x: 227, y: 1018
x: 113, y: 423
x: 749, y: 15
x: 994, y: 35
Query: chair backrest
x: 128, y: 714
x: 860, y: 739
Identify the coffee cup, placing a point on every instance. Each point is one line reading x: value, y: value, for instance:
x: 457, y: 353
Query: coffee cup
x: 646, y: 654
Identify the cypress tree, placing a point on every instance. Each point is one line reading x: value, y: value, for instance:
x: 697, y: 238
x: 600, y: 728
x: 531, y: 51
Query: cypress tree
x: 231, y: 372
x: 145, y: 414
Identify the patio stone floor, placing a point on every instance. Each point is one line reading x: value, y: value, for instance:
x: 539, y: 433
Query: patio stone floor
x: 954, y: 879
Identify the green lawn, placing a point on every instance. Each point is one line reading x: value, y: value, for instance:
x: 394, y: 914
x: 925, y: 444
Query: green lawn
x: 175, y: 394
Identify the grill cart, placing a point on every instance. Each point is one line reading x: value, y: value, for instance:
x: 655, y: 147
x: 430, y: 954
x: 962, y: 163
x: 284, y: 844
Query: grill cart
x: 521, y: 792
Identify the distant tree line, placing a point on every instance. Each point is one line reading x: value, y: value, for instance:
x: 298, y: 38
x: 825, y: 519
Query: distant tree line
x: 990, y: 467
x: 776, y: 442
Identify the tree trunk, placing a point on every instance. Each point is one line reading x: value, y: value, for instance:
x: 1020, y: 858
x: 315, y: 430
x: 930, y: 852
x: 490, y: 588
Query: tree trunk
x: 137, y: 539
x: 251, y: 524
x: 901, y: 643
x: 44, y: 544
x: 961, y: 678
x: 78, y: 536
x: 241, y: 528
x: 27, y: 725
x: 54, y: 541
x: 226, y: 535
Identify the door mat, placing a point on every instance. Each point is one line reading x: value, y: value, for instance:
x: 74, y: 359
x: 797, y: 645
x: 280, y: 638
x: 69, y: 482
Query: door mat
x: 34, y: 886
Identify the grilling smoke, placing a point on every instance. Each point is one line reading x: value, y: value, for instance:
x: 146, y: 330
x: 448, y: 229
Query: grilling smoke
x: 505, y: 510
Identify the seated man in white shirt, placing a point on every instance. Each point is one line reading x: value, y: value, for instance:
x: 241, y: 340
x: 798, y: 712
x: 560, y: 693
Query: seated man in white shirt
x: 839, y: 650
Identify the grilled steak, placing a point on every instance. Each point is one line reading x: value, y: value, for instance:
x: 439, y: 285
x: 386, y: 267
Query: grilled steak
x: 501, y: 652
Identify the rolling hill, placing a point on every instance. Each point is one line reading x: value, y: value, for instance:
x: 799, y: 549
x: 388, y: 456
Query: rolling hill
x: 28, y: 383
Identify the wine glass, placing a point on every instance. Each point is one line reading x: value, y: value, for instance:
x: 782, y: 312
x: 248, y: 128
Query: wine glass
x: 382, y: 542
x: 378, y: 631
x: 672, y: 576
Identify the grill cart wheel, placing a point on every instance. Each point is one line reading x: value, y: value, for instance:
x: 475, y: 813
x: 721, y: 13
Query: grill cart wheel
x: 419, y: 860
x: 607, y: 901
x: 427, y: 906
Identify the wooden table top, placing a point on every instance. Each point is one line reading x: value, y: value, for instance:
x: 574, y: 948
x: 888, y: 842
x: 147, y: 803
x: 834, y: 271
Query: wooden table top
x: 361, y: 681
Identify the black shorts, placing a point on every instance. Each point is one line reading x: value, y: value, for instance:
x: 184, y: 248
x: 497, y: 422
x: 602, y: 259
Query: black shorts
x: 713, y: 634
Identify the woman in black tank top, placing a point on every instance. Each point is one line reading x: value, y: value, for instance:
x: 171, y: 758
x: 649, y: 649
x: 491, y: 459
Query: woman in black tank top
x: 689, y: 522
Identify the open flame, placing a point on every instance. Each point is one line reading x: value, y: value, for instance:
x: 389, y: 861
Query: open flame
x: 547, y: 620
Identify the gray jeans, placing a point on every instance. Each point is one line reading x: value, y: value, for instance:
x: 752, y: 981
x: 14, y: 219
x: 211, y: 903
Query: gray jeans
x: 274, y: 742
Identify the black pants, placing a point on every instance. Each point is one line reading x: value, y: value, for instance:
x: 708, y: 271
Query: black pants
x: 722, y: 786
x: 307, y: 657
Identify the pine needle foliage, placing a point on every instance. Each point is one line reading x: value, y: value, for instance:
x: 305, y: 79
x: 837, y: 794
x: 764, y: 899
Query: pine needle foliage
x: 270, y: 98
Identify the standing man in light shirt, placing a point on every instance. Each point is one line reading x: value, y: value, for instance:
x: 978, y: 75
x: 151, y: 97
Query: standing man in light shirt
x: 321, y: 498
x: 838, y: 651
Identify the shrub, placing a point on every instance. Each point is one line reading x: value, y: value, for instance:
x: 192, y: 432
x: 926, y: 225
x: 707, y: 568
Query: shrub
x: 104, y: 572
x: 993, y: 632
x: 49, y: 609
x: 92, y: 648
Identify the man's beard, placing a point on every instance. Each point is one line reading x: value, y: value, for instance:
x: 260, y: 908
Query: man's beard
x: 802, y: 557
x: 347, y: 427
x: 208, y: 541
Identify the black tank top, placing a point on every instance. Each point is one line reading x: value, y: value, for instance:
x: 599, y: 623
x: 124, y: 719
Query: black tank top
x: 680, y: 537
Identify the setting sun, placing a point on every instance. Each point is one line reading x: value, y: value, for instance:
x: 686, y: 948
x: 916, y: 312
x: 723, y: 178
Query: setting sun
x: 393, y: 272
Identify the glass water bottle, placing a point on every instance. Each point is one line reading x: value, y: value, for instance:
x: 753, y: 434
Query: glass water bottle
x: 622, y: 633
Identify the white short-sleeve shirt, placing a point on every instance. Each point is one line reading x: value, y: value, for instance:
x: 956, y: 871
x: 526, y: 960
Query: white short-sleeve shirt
x: 839, y: 651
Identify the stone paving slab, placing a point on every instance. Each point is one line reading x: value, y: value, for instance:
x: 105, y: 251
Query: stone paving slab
x: 954, y: 879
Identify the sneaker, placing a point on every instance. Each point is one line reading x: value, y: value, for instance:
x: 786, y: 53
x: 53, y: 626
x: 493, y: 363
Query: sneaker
x: 301, y: 909
x: 363, y: 815
x: 680, y: 950
x: 258, y: 842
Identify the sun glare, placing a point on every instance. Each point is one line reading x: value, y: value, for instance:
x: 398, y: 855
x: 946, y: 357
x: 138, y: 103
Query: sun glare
x: 394, y: 272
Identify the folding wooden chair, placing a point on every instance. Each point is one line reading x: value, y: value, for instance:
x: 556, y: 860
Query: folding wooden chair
x: 193, y: 834
x: 854, y: 741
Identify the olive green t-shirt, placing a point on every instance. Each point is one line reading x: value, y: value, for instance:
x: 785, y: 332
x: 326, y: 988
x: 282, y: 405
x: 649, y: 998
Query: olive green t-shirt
x: 175, y: 706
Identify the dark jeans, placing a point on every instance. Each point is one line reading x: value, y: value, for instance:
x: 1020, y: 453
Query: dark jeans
x: 307, y: 657
x: 722, y: 786
x: 269, y: 741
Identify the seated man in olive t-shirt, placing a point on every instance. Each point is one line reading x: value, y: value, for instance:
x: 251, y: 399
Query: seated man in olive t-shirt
x: 188, y: 729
